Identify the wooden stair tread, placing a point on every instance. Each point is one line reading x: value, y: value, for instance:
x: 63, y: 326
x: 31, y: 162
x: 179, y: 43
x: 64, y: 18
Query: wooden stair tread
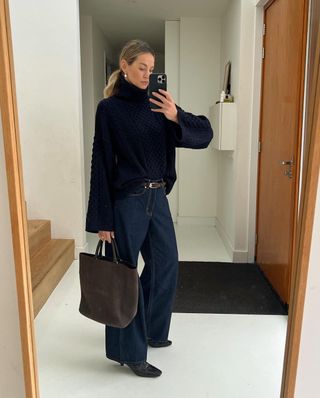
x: 50, y: 280
x: 46, y: 258
x: 49, y: 260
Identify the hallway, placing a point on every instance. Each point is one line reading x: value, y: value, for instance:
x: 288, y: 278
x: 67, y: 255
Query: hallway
x: 213, y: 355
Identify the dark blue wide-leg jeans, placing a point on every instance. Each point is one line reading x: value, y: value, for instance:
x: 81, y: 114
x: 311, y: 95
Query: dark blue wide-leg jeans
x: 143, y: 223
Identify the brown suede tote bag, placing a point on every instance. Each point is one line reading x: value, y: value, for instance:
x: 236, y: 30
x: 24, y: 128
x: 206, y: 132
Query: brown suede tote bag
x: 109, y: 287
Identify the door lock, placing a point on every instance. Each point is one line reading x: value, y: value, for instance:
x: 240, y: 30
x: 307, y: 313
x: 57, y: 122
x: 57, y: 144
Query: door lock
x: 287, y: 162
x: 288, y: 171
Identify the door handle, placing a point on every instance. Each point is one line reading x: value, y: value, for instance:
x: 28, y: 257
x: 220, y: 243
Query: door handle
x: 287, y: 162
x: 288, y: 171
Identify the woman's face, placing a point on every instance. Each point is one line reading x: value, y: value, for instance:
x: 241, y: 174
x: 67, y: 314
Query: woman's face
x: 139, y: 71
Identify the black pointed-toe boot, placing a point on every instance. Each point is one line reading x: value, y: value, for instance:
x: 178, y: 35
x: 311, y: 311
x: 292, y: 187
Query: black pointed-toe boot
x: 143, y: 369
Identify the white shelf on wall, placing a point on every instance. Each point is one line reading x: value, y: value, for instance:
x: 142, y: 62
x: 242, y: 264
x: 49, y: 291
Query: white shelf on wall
x: 223, y: 118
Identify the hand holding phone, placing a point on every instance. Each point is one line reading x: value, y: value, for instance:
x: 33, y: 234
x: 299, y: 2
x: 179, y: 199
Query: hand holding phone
x: 156, y: 81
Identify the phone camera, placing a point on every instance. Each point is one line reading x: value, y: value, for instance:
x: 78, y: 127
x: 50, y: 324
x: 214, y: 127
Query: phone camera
x: 161, y: 79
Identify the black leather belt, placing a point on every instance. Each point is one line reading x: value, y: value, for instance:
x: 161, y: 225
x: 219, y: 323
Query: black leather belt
x: 154, y: 184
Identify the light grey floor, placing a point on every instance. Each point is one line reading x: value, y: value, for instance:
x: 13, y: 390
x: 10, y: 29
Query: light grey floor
x: 213, y: 355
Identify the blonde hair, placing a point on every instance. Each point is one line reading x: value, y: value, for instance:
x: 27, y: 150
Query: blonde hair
x: 130, y: 51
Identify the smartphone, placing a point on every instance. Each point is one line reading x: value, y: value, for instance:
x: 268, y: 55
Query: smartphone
x: 156, y: 81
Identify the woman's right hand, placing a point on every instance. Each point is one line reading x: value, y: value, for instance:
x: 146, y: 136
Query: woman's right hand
x: 106, y: 235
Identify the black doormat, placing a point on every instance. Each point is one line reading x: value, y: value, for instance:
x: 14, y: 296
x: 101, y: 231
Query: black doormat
x: 225, y: 288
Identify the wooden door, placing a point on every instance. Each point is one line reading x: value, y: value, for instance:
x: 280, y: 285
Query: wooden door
x: 280, y: 139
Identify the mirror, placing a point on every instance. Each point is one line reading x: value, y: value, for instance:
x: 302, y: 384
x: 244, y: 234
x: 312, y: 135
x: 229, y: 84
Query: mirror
x: 59, y: 310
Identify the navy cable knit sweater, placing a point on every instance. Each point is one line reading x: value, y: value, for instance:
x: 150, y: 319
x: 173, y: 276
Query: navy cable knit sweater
x: 132, y: 143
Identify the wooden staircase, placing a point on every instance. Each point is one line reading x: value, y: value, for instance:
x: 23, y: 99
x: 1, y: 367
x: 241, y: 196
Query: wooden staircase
x: 49, y: 260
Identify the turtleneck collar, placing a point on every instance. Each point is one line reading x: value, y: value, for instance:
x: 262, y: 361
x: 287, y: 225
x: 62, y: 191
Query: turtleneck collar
x: 130, y: 91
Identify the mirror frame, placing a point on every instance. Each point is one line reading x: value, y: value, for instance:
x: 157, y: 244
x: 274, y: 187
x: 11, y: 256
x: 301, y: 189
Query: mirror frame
x: 8, y: 104
x: 18, y: 216
x: 310, y: 180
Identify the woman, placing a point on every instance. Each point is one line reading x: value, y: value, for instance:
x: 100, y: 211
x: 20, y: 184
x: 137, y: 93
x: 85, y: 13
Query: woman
x: 132, y: 171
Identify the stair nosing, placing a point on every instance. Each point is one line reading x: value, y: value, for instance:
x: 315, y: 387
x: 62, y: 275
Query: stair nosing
x: 69, y: 243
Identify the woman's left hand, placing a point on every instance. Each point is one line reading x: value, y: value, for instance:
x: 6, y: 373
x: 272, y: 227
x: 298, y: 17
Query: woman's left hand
x: 166, y: 103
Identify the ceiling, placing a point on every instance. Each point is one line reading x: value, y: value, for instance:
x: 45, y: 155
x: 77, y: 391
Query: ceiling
x: 122, y: 20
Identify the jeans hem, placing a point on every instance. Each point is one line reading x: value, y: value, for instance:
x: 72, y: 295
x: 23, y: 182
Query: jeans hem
x: 124, y: 361
x: 157, y: 341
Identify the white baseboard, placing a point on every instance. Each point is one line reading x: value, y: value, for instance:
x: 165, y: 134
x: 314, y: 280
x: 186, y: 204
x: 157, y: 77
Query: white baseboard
x: 182, y: 220
x: 240, y: 256
x: 79, y: 249
x: 237, y: 256
x: 225, y: 238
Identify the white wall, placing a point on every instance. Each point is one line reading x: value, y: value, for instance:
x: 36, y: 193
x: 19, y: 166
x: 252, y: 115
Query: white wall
x: 244, y: 133
x: 255, y: 127
x: 172, y: 69
x: 199, y: 87
x: 230, y: 51
x: 234, y: 173
x: 101, y: 49
x: 215, y: 185
x: 307, y: 381
x: 88, y: 94
x: 95, y: 49
x: 159, y: 66
x: 46, y: 47
x: 198, y: 70
x: 11, y: 367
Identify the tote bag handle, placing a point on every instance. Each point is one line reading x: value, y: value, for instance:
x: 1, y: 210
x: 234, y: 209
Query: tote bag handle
x: 115, y: 251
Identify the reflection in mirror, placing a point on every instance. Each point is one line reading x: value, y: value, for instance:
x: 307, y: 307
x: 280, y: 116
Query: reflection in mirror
x: 212, y: 241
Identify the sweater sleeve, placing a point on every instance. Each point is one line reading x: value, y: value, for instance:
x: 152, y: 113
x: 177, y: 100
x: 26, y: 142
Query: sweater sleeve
x: 100, y: 204
x: 192, y: 131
